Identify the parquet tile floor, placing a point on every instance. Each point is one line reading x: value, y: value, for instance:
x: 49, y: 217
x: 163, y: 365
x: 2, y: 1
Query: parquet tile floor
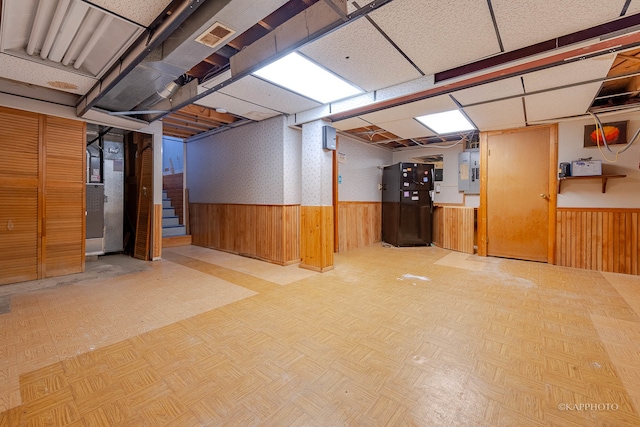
x: 391, y: 336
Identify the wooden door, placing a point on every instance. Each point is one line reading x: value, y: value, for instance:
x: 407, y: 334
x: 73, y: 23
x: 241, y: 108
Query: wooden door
x: 145, y: 200
x: 520, y: 196
x: 19, y: 196
x: 64, y: 183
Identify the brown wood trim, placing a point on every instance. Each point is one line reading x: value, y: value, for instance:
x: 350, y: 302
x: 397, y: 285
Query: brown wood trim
x: 482, y: 210
x: 84, y: 200
x: 157, y: 231
x: 553, y: 192
x: 42, y: 206
x: 336, y: 212
x: 620, y: 210
x: 449, y: 205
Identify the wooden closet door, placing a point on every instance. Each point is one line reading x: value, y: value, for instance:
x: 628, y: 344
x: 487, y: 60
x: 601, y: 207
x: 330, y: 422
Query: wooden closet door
x: 19, y: 164
x: 64, y: 182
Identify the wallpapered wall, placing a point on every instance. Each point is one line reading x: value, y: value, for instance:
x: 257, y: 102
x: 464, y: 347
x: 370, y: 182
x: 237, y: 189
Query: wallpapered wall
x: 317, y: 167
x: 621, y: 192
x: 361, y: 173
x: 292, y: 150
x: 244, y: 165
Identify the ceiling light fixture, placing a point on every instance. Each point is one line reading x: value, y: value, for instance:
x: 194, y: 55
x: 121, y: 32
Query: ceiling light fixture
x: 298, y: 74
x: 447, y: 122
x: 58, y: 16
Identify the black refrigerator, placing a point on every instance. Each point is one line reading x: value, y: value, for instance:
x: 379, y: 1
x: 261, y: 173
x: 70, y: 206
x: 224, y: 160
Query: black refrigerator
x: 406, y: 204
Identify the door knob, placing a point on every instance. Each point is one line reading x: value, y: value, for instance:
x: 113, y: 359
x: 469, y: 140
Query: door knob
x: 544, y: 196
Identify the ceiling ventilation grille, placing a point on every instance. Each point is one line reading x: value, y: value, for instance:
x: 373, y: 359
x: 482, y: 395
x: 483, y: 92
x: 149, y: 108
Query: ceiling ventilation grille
x: 215, y: 35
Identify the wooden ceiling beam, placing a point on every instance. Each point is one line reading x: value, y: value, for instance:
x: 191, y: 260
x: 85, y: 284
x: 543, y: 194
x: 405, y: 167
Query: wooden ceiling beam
x: 186, y: 126
x: 187, y: 118
x: 208, y: 113
x: 172, y: 131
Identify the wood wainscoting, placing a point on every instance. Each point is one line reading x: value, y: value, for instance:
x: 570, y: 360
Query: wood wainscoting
x: 316, y: 239
x: 454, y: 228
x: 173, y: 185
x: 267, y: 232
x: 359, y: 224
x: 599, y: 239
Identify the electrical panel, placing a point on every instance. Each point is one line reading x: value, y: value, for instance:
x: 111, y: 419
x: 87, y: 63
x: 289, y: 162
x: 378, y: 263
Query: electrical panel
x: 469, y: 172
x: 328, y: 138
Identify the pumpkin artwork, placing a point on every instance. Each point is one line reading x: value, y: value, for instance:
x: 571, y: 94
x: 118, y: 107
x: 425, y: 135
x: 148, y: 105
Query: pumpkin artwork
x: 611, y: 133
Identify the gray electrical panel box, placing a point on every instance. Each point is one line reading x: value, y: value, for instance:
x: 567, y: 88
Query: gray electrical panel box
x: 328, y: 138
x: 469, y: 172
x: 95, y: 211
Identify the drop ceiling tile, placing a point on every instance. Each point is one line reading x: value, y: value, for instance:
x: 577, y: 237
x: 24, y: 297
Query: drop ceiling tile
x: 23, y: 70
x: 260, y: 92
x: 237, y: 106
x: 407, y: 128
x: 505, y: 114
x: 439, y: 35
x: 144, y: 12
x: 560, y: 103
x: 436, y: 104
x: 523, y: 23
x: 634, y: 7
x: 352, y: 123
x: 572, y: 73
x: 348, y: 53
x: 490, y: 91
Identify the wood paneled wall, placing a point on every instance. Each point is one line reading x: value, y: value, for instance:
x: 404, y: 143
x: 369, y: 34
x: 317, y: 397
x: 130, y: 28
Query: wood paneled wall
x: 316, y: 238
x: 359, y: 224
x: 599, y: 239
x: 42, y: 196
x: 454, y: 228
x: 267, y: 232
x: 173, y: 185
x: 156, y: 251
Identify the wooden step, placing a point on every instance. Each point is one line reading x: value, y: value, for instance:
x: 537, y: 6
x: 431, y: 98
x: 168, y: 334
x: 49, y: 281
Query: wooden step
x: 173, y: 241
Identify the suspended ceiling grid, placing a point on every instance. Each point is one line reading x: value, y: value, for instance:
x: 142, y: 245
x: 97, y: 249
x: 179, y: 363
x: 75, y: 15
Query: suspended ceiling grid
x: 410, y: 37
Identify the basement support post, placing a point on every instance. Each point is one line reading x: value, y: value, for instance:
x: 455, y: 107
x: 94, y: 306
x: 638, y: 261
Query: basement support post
x: 316, y: 222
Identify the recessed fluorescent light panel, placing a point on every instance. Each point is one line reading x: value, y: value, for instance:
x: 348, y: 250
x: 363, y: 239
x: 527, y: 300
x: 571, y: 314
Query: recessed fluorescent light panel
x: 298, y: 74
x: 447, y: 122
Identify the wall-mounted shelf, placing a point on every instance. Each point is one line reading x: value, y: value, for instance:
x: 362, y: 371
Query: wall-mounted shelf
x: 604, y: 179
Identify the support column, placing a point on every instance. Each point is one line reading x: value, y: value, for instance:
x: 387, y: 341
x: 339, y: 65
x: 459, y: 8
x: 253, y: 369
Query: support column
x: 316, y: 211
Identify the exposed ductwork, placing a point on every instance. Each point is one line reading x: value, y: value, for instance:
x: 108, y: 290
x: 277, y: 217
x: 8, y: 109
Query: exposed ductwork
x: 158, y: 76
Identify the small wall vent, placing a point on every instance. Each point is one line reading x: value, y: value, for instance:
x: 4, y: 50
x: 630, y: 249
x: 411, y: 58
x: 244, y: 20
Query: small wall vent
x: 215, y: 35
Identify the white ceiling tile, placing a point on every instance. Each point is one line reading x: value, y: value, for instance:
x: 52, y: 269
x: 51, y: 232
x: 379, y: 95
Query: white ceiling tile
x: 505, y: 114
x: 237, y: 106
x: 566, y: 102
x: 144, y: 12
x: 436, y: 104
x: 439, y: 35
x: 634, y: 7
x: 524, y: 23
x: 260, y: 92
x: 352, y: 123
x: 574, y: 72
x: 38, y: 74
x: 357, y: 42
x: 244, y: 14
x: 406, y: 128
x: 490, y: 91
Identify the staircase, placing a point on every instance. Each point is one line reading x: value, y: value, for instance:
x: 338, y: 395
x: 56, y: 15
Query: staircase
x: 173, y: 233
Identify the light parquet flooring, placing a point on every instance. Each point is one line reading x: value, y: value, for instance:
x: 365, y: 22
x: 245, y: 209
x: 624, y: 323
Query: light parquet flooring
x: 391, y: 336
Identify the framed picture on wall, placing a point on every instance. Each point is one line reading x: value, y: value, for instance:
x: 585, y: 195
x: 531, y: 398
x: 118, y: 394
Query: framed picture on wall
x: 614, y: 132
